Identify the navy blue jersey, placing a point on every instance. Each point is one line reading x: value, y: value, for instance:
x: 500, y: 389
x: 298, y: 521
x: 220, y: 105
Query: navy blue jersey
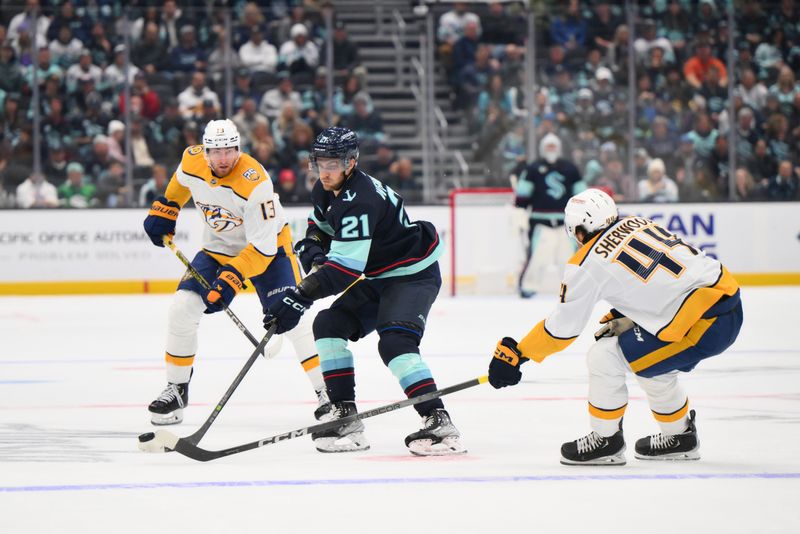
x: 370, y: 234
x: 546, y: 188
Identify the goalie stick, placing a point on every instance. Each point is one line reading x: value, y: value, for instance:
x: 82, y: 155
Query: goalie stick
x: 146, y: 442
x: 167, y: 441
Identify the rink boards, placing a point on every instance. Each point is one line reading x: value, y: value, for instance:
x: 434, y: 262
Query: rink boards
x: 106, y: 251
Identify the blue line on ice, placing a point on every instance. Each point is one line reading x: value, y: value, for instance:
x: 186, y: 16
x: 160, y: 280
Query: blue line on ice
x: 383, y: 481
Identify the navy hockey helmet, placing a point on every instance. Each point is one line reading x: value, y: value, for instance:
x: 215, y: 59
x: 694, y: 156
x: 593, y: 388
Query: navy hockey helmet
x: 337, y: 143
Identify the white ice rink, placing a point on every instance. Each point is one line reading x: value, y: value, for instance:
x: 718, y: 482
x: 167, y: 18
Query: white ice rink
x: 76, y: 374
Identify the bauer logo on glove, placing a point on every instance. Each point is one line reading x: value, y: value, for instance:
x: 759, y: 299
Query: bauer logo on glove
x: 226, y: 286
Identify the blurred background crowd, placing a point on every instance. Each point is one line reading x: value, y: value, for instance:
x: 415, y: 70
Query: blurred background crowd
x: 643, y: 99
x: 667, y: 88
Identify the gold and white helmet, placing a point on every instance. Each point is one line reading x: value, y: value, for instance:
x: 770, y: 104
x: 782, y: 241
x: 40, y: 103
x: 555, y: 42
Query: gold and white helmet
x: 221, y: 134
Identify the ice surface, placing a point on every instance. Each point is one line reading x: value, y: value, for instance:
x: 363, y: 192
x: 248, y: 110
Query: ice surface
x: 76, y: 374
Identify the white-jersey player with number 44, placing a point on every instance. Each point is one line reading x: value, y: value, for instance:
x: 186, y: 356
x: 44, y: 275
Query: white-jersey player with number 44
x: 246, y: 236
x: 673, y: 306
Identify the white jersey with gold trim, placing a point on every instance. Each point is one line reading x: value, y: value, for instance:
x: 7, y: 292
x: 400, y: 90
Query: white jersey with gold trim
x: 237, y: 209
x: 646, y: 273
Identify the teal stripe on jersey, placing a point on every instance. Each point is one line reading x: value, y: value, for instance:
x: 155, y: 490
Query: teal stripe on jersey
x: 415, y: 267
x: 524, y: 187
x: 333, y: 354
x: 409, y: 369
x: 350, y: 254
x: 547, y: 216
x: 324, y: 226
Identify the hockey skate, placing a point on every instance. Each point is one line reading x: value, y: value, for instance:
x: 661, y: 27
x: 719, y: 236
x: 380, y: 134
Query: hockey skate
x: 438, y: 436
x: 684, y: 446
x: 346, y: 438
x: 594, y: 449
x: 324, y: 405
x: 167, y: 409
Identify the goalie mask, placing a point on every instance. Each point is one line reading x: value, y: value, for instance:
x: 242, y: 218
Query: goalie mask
x: 221, y: 146
x: 550, y: 148
x: 591, y: 211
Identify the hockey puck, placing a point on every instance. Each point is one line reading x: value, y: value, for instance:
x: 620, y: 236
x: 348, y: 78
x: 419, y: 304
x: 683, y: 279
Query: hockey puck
x: 147, y: 436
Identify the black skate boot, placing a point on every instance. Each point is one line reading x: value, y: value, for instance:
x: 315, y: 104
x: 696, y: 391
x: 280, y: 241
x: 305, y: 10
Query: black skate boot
x: 594, y: 449
x: 167, y: 409
x: 684, y: 446
x: 438, y: 436
x: 323, y: 407
x: 346, y: 438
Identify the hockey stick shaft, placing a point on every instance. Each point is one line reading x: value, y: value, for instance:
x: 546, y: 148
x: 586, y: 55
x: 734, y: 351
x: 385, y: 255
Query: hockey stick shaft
x: 185, y: 447
x: 198, y: 435
x: 203, y: 282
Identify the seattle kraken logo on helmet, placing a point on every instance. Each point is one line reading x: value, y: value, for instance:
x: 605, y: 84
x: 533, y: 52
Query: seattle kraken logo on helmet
x: 219, y: 218
x: 336, y: 142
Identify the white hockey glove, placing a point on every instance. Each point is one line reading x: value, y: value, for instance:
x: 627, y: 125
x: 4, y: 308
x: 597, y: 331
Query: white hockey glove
x: 613, y: 326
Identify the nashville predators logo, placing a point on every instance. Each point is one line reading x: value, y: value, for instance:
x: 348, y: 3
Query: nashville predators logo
x: 250, y: 174
x: 219, y: 218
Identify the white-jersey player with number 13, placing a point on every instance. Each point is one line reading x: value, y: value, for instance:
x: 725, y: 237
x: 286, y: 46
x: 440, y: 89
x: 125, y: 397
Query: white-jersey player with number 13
x: 246, y: 236
x: 673, y: 306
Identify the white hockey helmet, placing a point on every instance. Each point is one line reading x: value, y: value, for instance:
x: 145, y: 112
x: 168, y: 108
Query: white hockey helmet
x: 591, y: 210
x: 550, y: 148
x: 221, y: 134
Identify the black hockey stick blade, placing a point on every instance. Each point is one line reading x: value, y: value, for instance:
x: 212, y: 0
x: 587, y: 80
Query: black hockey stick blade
x: 185, y: 446
x: 150, y: 442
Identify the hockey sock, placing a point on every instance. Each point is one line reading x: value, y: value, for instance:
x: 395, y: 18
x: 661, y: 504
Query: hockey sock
x: 302, y: 338
x: 336, y: 362
x: 399, y: 352
x: 183, y: 321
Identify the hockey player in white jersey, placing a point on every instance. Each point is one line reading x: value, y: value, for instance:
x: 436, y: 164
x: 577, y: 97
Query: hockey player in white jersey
x: 246, y: 236
x: 673, y: 306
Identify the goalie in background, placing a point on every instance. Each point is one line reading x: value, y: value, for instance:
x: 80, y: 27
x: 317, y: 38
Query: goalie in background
x: 246, y: 236
x: 673, y: 306
x: 542, y: 191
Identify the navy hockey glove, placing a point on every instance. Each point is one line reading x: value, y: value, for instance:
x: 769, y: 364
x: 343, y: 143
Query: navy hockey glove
x: 226, y: 286
x: 287, y: 310
x: 504, y: 367
x: 160, y: 221
x: 310, y: 252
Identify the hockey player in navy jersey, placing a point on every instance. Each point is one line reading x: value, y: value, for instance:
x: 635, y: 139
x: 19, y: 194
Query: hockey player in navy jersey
x: 358, y: 228
x: 542, y: 191
x: 673, y: 306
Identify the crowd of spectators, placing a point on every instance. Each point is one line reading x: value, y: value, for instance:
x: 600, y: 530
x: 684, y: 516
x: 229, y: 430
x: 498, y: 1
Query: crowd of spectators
x: 680, y: 103
x: 178, y: 60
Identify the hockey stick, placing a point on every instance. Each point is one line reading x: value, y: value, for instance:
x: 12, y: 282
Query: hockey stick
x: 169, y: 441
x: 203, y: 282
x: 146, y: 440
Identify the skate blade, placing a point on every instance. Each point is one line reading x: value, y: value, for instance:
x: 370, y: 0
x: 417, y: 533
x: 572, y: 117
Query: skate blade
x: 350, y: 443
x: 616, y: 459
x: 165, y: 419
x: 446, y: 447
x: 674, y: 457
